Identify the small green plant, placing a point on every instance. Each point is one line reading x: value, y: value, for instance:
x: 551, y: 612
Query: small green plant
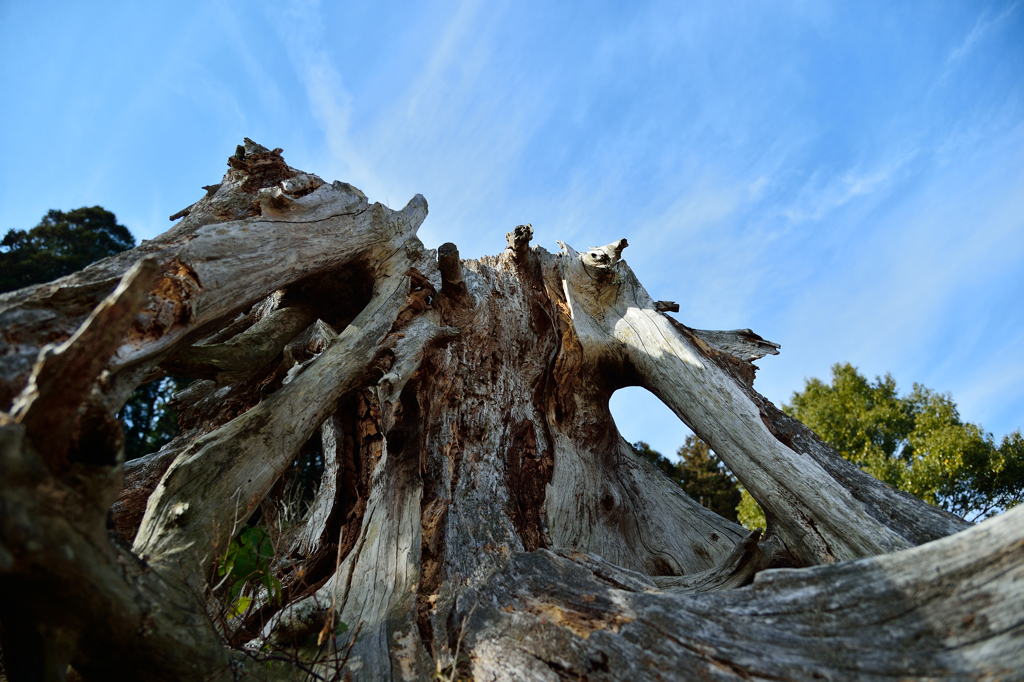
x: 247, y: 561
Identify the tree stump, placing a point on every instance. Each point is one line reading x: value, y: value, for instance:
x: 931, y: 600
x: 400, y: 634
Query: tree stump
x: 477, y: 514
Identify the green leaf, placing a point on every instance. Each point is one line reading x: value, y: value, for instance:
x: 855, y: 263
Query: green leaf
x: 248, y: 560
x: 239, y: 607
x: 273, y: 586
x: 236, y: 589
x: 917, y: 442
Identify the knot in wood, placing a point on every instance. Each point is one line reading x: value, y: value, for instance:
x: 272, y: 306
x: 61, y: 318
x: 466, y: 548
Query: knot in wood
x: 609, y: 500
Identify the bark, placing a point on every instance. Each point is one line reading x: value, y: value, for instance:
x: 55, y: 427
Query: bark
x: 478, y: 512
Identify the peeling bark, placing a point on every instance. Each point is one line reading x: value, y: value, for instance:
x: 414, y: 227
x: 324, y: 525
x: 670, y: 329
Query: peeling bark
x: 478, y: 511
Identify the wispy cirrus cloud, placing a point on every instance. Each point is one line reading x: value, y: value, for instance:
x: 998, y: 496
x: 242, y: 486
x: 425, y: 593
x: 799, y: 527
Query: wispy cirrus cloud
x: 986, y: 22
x: 301, y: 27
x: 753, y: 188
x: 821, y: 195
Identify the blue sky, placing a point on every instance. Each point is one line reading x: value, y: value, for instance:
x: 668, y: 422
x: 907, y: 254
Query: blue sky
x: 847, y: 179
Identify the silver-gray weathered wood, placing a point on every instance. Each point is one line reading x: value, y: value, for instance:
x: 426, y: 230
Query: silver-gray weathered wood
x: 479, y: 513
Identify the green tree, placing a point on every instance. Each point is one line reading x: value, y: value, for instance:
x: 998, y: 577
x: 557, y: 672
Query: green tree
x: 149, y: 423
x: 700, y: 473
x: 749, y: 512
x: 706, y: 479
x: 62, y: 243
x: 916, y: 443
x: 667, y: 466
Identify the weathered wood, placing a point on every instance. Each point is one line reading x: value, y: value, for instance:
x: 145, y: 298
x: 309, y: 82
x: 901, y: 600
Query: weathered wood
x: 740, y: 343
x: 309, y: 540
x: 216, y: 483
x: 452, y: 284
x: 945, y: 610
x: 519, y: 241
x: 376, y: 583
x: 479, y: 511
x: 65, y: 375
x: 246, y: 353
x: 141, y: 477
x: 71, y: 595
x: 818, y: 515
x: 266, y: 226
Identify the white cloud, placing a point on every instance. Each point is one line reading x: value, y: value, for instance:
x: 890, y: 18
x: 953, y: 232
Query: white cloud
x: 820, y: 197
x: 446, y: 53
x: 982, y: 25
x: 924, y: 289
x: 301, y: 26
x: 851, y: 265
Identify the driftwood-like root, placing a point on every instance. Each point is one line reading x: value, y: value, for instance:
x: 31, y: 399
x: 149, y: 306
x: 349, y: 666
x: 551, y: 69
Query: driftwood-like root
x: 478, y: 511
x: 880, y: 618
x: 191, y: 515
x: 821, y: 516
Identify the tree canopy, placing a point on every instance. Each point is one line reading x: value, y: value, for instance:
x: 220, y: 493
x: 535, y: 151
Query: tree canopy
x: 149, y: 422
x: 62, y: 243
x: 916, y: 442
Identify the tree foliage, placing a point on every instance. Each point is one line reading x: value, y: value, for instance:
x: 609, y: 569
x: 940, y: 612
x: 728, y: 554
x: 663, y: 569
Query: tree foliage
x: 62, y: 243
x: 916, y: 442
x: 247, y: 563
x: 149, y: 423
x: 749, y: 512
x: 700, y: 473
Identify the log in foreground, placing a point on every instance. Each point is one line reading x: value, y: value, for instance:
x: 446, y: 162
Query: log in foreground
x: 476, y: 511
